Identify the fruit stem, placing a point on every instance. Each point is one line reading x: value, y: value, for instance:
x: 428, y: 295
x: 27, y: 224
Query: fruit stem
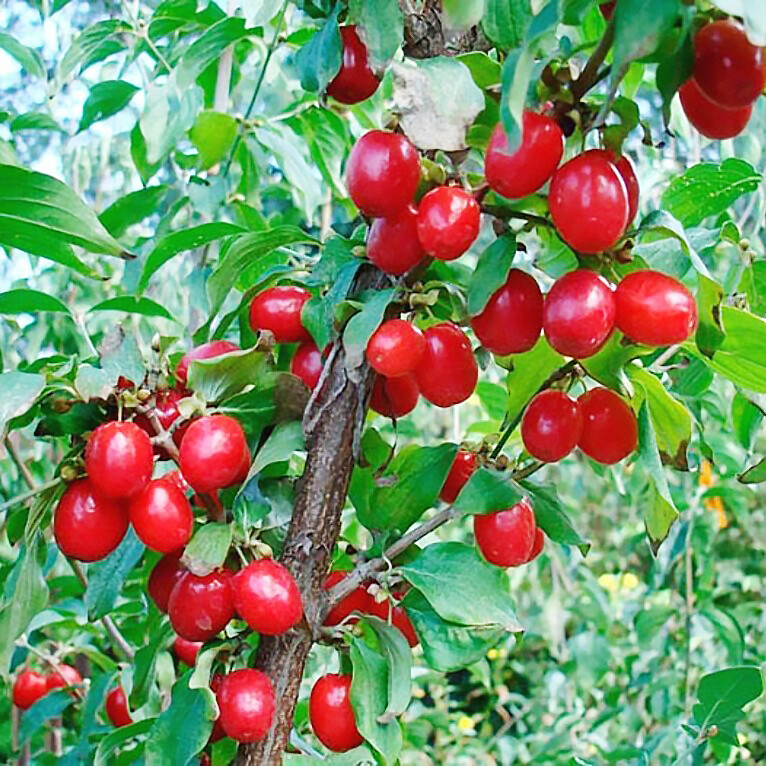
x: 590, y: 74
x: 23, y: 642
x: 505, y: 214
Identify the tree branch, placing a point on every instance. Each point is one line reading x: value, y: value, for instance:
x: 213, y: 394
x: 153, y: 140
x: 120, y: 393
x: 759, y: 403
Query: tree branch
x: 505, y: 214
x: 590, y: 74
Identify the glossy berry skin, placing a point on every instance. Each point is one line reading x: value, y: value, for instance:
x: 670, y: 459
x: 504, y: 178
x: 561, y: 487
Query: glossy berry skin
x: 382, y: 173
x: 356, y: 601
x: 506, y: 538
x: 355, y: 81
x: 551, y: 426
x: 29, y: 687
x: 117, y: 707
x: 589, y: 202
x: 266, y: 596
x: 394, y: 397
x: 307, y: 363
x: 119, y: 459
x: 710, y: 119
x: 278, y: 310
x: 393, y: 244
x: 246, y: 701
x: 187, y: 651
x: 460, y: 471
x: 579, y: 312
x: 654, y: 309
x: 206, y: 351
x: 513, y: 317
x: 64, y: 676
x: 331, y: 714
x: 162, y: 516
x: 609, y: 427
x: 166, y: 573
x: 447, y: 373
x: 213, y: 453
x: 215, y: 686
x: 448, y: 222
x: 728, y: 68
x: 538, y: 545
x: 395, y: 348
x: 521, y: 173
x: 627, y: 170
x: 201, y: 607
x: 88, y: 526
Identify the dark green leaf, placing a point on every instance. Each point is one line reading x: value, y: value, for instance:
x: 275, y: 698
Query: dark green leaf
x: 208, y: 549
x: 35, y: 121
x: 50, y: 706
x: 133, y: 208
x: 24, y: 301
x: 224, y: 376
x: 145, y: 662
x: 320, y: 59
x: 487, y: 491
x: 491, y: 272
x: 755, y: 474
x: 207, y: 48
x: 710, y: 333
x: 505, y: 22
x: 362, y: 325
x: 95, y: 43
x: 396, y: 650
x: 106, y: 98
x: 130, y: 304
x: 381, y: 24
x: 106, y: 747
x: 551, y: 517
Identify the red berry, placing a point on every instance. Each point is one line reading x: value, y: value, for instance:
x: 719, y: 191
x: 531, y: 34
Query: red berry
x: 627, y: 170
x: 307, y: 363
x: 506, y: 538
x: 394, y: 397
x: 217, y: 732
x: 551, y: 426
x: 728, y: 68
x: 187, y: 651
x: 523, y: 172
x: 29, y: 687
x: 393, y: 244
x: 654, y: 309
x: 331, y: 714
x: 88, y: 526
x: 537, y: 547
x: 117, y: 707
x: 213, y: 452
x: 356, y: 601
x: 707, y: 117
x: 382, y: 173
x: 395, y: 348
x: 609, y: 427
x: 460, y: 471
x: 64, y: 675
x: 118, y: 459
x: 206, y: 351
x: 589, y: 202
x: 162, y: 516
x: 166, y: 410
x: 447, y: 373
x: 246, y: 701
x: 266, y: 596
x: 123, y: 383
x: 356, y: 81
x: 201, y: 607
x: 166, y: 573
x: 578, y: 316
x: 396, y: 615
x: 278, y: 310
x: 448, y: 222
x: 512, y: 319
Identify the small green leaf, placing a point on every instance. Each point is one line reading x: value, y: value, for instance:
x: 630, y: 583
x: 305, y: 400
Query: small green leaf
x: 319, y: 60
x: 488, y: 491
x: 133, y: 208
x: 397, y: 652
x: 145, y: 662
x: 710, y: 333
x: 224, y: 376
x: 93, y: 382
x: 362, y: 325
x: 131, y: 304
x: 115, y: 739
x: 35, y: 121
x: 283, y: 442
x: 381, y: 24
x: 106, y: 98
x: 551, y: 517
x: 18, y: 392
x: 207, y: 550
x: 95, y: 43
x: 50, y: 706
x: 28, y: 58
x: 505, y: 22
x: 207, y: 48
x: 24, y: 301
x: 491, y: 272
x: 755, y: 474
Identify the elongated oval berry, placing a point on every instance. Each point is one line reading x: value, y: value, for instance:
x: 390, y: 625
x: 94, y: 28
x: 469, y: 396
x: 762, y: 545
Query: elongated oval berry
x: 448, y: 222
x: 627, y: 171
x: 29, y: 687
x: 395, y: 348
x: 187, y: 651
x: 206, y: 351
x: 396, y: 615
x: 393, y: 244
x: 394, y: 397
x: 355, y: 81
x: 278, y: 310
x: 447, y: 373
x: 162, y: 516
x: 356, y: 601
x: 117, y: 707
x: 506, y: 538
x: 460, y: 472
x: 539, y: 544
x: 166, y: 573
x: 246, y: 701
x: 551, y: 426
x: 307, y: 363
x: 609, y: 427
x: 331, y: 714
x: 63, y: 676
x: 201, y: 607
x: 711, y: 120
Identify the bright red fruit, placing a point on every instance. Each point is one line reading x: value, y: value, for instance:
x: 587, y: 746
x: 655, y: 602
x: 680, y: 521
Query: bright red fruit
x: 395, y: 348
x: 64, y: 675
x: 246, y: 701
x: 307, y: 363
x: 537, y: 547
x: 512, y: 319
x: 206, y: 351
x: 356, y: 601
x: 88, y: 526
x: 394, y: 397
x: 382, y: 173
x: 589, y: 202
x: 578, y: 316
x: 609, y: 427
x: 331, y: 714
x: 166, y: 573
x: 218, y: 731
x: 118, y: 459
x: 162, y: 516
x: 187, y: 651
x: 654, y: 309
x: 523, y: 172
x: 460, y: 471
x: 278, y: 310
x: 607, y: 9
x: 448, y: 222
x: 213, y: 452
x: 728, y: 68
x: 396, y: 615
x: 266, y: 596
x: 707, y: 117
x: 200, y: 607
x: 447, y: 373
x: 117, y: 707
x: 356, y: 81
x: 506, y: 538
x: 393, y: 244
x: 29, y: 687
x: 551, y: 426
x: 627, y: 170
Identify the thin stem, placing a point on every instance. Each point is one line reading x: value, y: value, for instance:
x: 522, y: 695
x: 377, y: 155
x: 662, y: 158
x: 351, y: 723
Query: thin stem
x: 52, y: 662
x: 26, y: 474
x: 505, y: 214
x: 665, y: 356
x: 590, y: 74
x: 689, y: 609
x: 24, y: 496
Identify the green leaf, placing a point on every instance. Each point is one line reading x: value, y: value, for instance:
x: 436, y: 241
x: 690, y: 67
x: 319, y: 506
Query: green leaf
x: 755, y: 474
x: 673, y: 71
x: 487, y: 491
x: 462, y: 14
x: 131, y: 304
x: 663, y: 222
x: 224, y: 376
x: 207, y: 550
x: 106, y: 98
x: 710, y: 334
x: 381, y: 24
x: 24, y: 301
x: 551, y: 517
x: 50, y: 706
x: 18, y: 392
x: 284, y: 441
x: 213, y: 135
x: 396, y: 651
x: 145, y: 662
x: 133, y: 208
x: 556, y: 257
x: 35, y: 121
x: 362, y: 325
x: 746, y: 418
x: 319, y: 60
x: 505, y: 22
x: 207, y: 48
x: 95, y: 43
x: 93, y: 382
x: 486, y: 72
x: 28, y: 58
x: 606, y: 366
x: 120, y: 355
x: 493, y: 398
x: 491, y: 272
x: 118, y: 737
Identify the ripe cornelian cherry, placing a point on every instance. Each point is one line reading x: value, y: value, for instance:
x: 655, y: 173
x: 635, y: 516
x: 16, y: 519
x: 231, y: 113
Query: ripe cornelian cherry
x: 654, y: 309
x: 213, y: 453
x: 395, y: 348
x: 117, y: 707
x: 200, y: 607
x: 206, y: 351
x: 447, y: 373
x: 166, y: 573
x: 627, y: 171
x: 460, y: 471
x: 266, y: 596
x: 448, y: 222
x: 88, y: 526
x: 356, y: 601
x: 331, y: 714
x: 707, y: 117
x: 355, y: 81
x: 29, y: 687
x: 118, y: 459
x: 246, y: 701
x: 307, y: 363
x: 278, y: 310
x: 506, y: 538
x: 522, y: 172
x: 578, y: 315
x: 394, y: 397
x: 382, y: 173
x: 64, y: 676
x: 589, y: 202
x: 217, y: 732
x: 396, y: 615
x: 162, y: 516
x: 728, y: 68
x: 538, y: 545
x: 551, y: 426
x: 609, y: 427
x: 393, y: 244
x: 513, y: 317
x: 187, y: 651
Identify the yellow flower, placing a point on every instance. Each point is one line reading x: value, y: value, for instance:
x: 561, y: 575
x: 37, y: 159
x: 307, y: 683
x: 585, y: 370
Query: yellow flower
x: 465, y: 723
x: 609, y: 582
x: 706, y: 474
x: 493, y: 654
x: 629, y: 581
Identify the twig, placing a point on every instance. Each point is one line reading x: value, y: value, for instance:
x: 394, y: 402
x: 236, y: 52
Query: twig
x: 689, y: 609
x: 223, y: 79
x: 665, y: 356
x: 26, y: 474
x: 590, y: 74
x: 504, y: 214
x: 24, y: 496
x: 54, y: 664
